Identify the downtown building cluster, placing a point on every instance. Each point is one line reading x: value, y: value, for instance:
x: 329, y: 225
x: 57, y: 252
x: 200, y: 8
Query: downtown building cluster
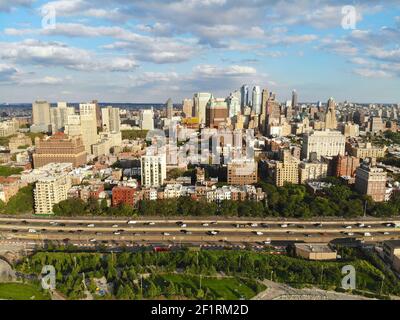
x: 292, y: 142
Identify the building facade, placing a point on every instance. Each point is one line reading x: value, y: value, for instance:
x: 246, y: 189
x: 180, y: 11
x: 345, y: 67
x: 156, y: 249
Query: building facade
x: 371, y: 181
x: 59, y: 148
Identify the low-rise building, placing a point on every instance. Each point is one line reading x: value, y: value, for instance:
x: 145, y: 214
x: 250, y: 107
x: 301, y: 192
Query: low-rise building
x: 19, y: 142
x: 365, y: 150
x: 123, y: 195
x: 315, y: 251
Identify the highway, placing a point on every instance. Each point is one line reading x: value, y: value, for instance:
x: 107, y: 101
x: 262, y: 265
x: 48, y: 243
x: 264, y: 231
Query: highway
x: 196, y: 231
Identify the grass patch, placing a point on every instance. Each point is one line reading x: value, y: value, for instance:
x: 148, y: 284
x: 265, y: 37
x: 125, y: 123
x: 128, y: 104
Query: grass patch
x: 8, y: 171
x: 21, y: 291
x: 215, y: 288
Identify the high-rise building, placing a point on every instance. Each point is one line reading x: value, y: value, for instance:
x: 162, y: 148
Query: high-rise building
x: 234, y: 104
x: 310, y: 171
x: 323, y: 143
x: 59, y: 148
x: 217, y: 112
x: 41, y: 114
x: 84, y: 125
x: 245, y: 99
x: 200, y: 101
x: 147, y: 119
x: 351, y: 130
x: 330, y: 117
x: 376, y: 125
x: 154, y: 170
x: 256, y: 100
x: 371, y: 181
x: 59, y: 116
x: 169, y: 108
x: 295, y: 101
x: 50, y: 191
x: 111, y: 119
x: 187, y: 106
x: 287, y: 170
x: 345, y: 166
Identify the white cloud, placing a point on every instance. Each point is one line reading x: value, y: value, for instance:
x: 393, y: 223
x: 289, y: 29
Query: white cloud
x: 56, y: 54
x: 8, y: 5
x: 372, y: 73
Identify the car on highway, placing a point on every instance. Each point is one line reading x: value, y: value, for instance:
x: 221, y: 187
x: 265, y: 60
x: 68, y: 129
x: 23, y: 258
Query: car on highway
x: 259, y: 233
x: 350, y: 234
x: 151, y: 223
x: 264, y: 225
x: 284, y: 225
x: 53, y: 223
x: 93, y: 240
x: 213, y: 232
x: 131, y: 222
x: 318, y: 225
x: 361, y: 225
x: 183, y: 225
x: 90, y: 225
x: 115, y: 226
x: 367, y: 234
x: 254, y: 225
x: 214, y: 222
x: 268, y: 241
x: 24, y: 222
x: 117, y: 233
x: 205, y: 224
x: 32, y: 231
x: 386, y: 233
x: 186, y: 232
x: 166, y: 234
x: 348, y: 227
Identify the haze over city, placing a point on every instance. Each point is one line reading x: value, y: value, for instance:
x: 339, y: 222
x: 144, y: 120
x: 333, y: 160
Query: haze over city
x: 147, y: 51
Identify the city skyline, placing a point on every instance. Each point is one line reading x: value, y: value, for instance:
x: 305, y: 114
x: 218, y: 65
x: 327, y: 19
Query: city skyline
x: 144, y: 52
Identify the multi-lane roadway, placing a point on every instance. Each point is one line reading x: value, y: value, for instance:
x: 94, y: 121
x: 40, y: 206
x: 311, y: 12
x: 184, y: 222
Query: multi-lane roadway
x: 205, y: 231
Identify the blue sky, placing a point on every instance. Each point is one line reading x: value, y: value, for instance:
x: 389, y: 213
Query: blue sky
x: 148, y: 51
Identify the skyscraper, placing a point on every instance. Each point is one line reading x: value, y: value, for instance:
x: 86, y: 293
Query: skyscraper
x: 147, y: 119
x: 330, y: 117
x: 217, y: 112
x: 294, y: 100
x: 110, y: 119
x: 244, y: 92
x: 170, y: 108
x: 256, y: 100
x: 59, y: 116
x: 233, y: 103
x: 41, y: 113
x: 187, y: 107
x: 200, y: 101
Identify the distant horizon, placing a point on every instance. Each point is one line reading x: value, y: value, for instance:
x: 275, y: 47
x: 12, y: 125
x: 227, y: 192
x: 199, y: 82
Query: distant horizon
x: 152, y: 50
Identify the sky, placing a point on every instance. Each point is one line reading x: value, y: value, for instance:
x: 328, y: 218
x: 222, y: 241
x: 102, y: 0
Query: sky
x: 148, y: 51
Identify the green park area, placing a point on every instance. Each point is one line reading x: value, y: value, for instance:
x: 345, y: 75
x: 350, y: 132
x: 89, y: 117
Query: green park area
x: 21, y: 291
x: 9, y: 171
x: 211, y: 287
x: 207, y: 274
